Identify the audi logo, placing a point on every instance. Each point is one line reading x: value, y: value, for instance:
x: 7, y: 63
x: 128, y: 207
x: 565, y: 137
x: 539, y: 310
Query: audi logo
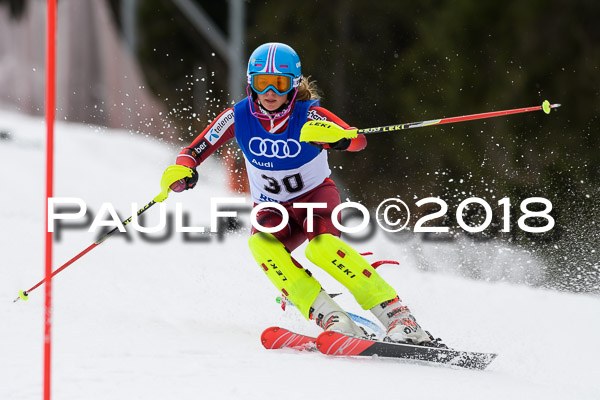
x: 274, y: 148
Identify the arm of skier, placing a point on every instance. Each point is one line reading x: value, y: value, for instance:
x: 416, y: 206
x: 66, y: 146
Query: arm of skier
x: 216, y: 134
x: 320, y: 114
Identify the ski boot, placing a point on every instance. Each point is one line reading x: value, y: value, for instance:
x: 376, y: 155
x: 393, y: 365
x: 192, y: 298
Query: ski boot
x: 331, y: 317
x: 402, y: 327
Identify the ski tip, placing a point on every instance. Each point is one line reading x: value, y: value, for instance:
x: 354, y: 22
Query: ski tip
x: 266, y: 336
x: 278, y: 338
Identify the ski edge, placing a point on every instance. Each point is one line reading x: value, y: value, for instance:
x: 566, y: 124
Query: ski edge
x: 337, y: 344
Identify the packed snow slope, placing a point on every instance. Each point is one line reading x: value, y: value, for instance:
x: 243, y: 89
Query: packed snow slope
x: 170, y: 319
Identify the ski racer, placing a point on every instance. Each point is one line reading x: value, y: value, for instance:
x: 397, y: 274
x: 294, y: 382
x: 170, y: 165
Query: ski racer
x: 282, y: 169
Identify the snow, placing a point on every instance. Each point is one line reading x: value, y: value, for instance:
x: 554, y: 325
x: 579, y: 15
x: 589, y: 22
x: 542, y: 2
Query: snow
x: 173, y: 319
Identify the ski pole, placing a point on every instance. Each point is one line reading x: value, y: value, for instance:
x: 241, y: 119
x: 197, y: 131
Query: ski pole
x: 23, y: 294
x: 325, y: 131
x: 172, y: 174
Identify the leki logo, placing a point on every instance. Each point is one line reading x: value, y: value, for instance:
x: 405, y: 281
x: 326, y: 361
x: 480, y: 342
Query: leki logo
x: 343, y: 268
x: 274, y: 148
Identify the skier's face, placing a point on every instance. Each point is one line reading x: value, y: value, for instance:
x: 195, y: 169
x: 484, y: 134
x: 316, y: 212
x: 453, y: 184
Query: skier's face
x: 271, y: 101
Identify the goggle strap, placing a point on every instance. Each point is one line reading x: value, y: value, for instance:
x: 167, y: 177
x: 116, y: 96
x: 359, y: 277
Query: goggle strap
x: 296, y: 81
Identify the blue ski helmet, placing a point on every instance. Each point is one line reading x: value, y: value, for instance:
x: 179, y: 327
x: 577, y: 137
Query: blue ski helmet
x: 275, y: 59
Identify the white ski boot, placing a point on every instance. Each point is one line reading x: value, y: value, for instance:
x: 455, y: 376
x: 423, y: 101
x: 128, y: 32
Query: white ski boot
x: 402, y: 326
x: 331, y: 317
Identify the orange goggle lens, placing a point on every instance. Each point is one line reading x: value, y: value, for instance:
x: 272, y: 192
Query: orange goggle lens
x: 281, y: 84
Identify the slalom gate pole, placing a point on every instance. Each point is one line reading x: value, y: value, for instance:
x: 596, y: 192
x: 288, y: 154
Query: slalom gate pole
x: 50, y: 115
x: 546, y: 107
x: 23, y: 294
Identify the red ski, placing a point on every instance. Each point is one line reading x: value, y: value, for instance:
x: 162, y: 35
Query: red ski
x: 336, y: 344
x: 278, y: 338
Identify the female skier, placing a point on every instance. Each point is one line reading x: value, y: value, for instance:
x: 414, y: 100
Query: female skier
x: 284, y: 170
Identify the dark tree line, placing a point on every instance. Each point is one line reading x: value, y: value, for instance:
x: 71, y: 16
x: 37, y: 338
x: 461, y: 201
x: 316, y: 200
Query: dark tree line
x: 386, y: 62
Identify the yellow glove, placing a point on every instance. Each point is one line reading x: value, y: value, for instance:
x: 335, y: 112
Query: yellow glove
x: 325, y: 132
x: 177, y: 178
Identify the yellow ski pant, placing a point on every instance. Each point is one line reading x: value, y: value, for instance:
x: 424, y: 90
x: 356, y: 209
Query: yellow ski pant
x: 330, y: 253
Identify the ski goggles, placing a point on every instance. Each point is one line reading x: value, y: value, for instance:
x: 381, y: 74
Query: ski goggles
x: 261, y: 83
